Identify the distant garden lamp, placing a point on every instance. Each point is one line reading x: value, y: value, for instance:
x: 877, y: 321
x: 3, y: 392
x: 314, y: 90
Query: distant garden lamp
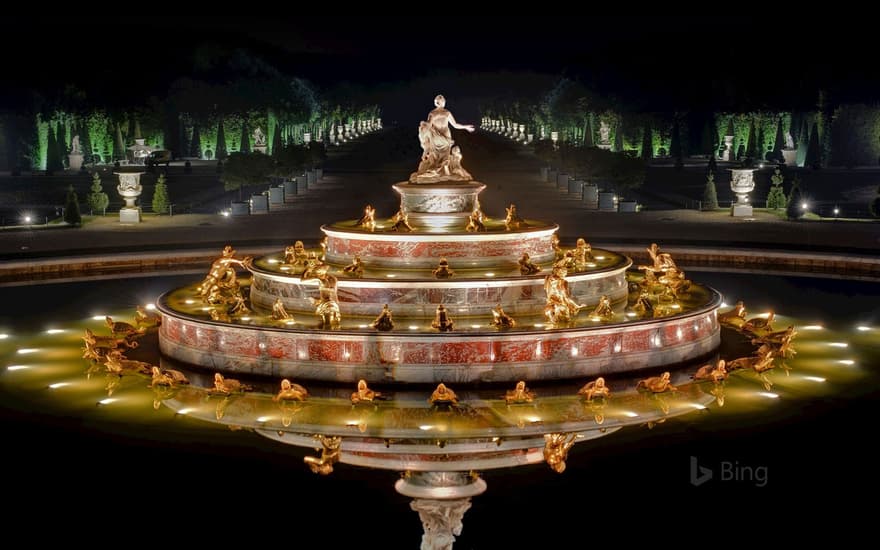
x: 836, y: 211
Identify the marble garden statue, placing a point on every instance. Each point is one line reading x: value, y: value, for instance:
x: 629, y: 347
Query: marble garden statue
x: 259, y: 137
x: 441, y: 159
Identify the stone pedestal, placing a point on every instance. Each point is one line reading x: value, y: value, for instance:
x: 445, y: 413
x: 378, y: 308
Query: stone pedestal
x: 289, y: 190
x: 789, y: 155
x: 438, y: 205
x: 441, y: 499
x: 75, y: 161
x: 276, y: 195
x: 302, y: 185
x: 606, y: 146
x: 311, y: 177
x: 607, y: 202
x: 590, y: 197
x: 742, y: 182
x: 562, y: 182
x: 129, y: 189
x: 741, y: 210
x: 259, y: 204
x: 627, y: 206
x: 240, y: 208
x: 260, y: 149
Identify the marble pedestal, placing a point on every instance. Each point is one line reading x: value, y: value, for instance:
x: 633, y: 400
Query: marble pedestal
x: 741, y: 210
x: 130, y: 215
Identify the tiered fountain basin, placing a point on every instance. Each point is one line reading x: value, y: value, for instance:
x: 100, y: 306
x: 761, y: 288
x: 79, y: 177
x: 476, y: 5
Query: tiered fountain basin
x: 408, y: 434
x: 416, y: 292
x: 494, y: 247
x: 445, y: 204
x: 415, y: 353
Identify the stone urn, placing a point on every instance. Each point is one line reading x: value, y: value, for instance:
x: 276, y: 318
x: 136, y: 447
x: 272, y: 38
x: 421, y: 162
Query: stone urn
x: 129, y: 189
x: 790, y: 157
x: 742, y: 182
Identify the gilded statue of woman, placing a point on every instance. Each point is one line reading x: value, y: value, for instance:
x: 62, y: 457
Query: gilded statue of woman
x: 441, y: 161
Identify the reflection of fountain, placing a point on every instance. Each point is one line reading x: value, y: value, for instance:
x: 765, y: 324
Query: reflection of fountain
x: 129, y: 189
x: 742, y: 183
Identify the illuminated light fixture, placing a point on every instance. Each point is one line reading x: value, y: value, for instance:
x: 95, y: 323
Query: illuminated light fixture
x: 768, y: 395
x: 363, y: 326
x: 476, y: 326
x: 189, y: 302
x: 595, y: 319
x: 150, y: 307
x: 860, y: 328
x: 99, y: 317
x: 631, y: 314
x: 591, y: 264
x: 723, y: 304
x: 225, y: 214
x: 57, y: 385
x: 261, y: 345
x: 107, y: 401
x: 206, y: 309
x: 284, y: 268
x: 630, y: 414
x: 490, y: 274
x: 4, y: 336
x: 803, y: 206
x: 814, y: 378
x: 17, y: 367
x: 678, y: 333
x: 600, y: 257
x: 272, y: 260
x: 346, y: 355
x: 264, y: 418
x: 27, y: 219
x: 245, y: 318
x: 538, y: 350
x: 426, y: 427
x: 186, y: 410
x: 24, y: 351
x: 574, y: 351
x: 813, y: 327
x: 390, y: 275
x: 538, y: 325
x: 55, y: 331
x: 832, y: 344
x: 847, y: 362
x: 351, y: 422
x: 533, y: 418
x: 675, y: 306
x: 698, y: 406
x: 414, y: 327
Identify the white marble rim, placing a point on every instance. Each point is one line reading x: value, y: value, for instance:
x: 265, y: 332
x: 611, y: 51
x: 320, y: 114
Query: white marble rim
x: 392, y: 237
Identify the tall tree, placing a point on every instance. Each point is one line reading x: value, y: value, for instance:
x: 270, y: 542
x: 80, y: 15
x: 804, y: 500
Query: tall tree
x: 276, y: 141
x: 794, y: 208
x: 51, y: 151
x: 779, y: 142
x: 61, y: 142
x: 618, y: 138
x: 196, y: 146
x: 814, y: 151
x: 118, y: 145
x: 752, y: 145
x: 588, y: 131
x: 675, y: 148
x: 222, y: 152
x: 71, y: 208
x: 137, y: 129
x: 245, y: 138
x: 710, y: 194
x: 647, y: 144
x: 760, y: 144
x: 160, y: 196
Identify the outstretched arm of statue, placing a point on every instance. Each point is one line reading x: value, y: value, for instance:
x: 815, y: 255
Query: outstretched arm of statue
x: 457, y: 126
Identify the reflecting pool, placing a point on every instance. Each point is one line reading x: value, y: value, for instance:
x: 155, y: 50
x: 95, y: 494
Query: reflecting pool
x: 109, y: 446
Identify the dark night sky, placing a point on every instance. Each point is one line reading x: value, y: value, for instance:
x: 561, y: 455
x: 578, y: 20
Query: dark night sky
x: 670, y: 62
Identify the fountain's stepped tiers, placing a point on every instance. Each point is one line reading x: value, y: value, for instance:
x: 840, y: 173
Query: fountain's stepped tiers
x: 420, y: 297
x: 453, y: 357
x: 422, y: 249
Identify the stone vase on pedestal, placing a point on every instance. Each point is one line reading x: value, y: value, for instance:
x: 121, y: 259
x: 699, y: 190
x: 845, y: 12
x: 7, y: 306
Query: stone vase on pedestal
x: 129, y: 189
x: 742, y: 182
x: 789, y: 155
